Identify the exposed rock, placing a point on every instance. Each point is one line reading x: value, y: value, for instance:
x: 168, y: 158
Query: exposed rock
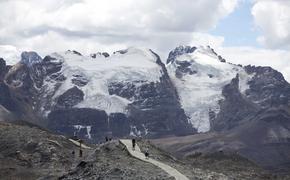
x: 14, y: 103
x: 80, y: 80
x: 119, y: 124
x: 234, y: 108
x: 74, y: 52
x: 30, y: 153
x: 93, y: 55
x: 179, y: 51
x: 51, y: 64
x: 70, y: 98
x: 184, y: 68
x: 221, y: 58
x: 3, y: 69
x: 5, y: 115
x: 30, y: 58
x: 58, y: 77
x: 105, y: 54
x: 155, y: 110
x: 121, y: 51
x: 66, y: 121
x: 6, y: 98
x: 268, y: 88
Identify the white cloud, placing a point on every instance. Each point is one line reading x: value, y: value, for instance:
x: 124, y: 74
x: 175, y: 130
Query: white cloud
x: 272, y: 17
x: 85, y: 25
x: 10, y: 54
x: 204, y: 39
x: 97, y: 25
x: 277, y: 59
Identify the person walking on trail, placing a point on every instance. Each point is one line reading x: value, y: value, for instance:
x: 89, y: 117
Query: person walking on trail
x: 81, y: 153
x: 147, y: 153
x: 133, y: 144
x: 73, y: 153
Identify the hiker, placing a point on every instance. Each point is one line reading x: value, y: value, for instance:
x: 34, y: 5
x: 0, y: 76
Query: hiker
x: 147, y: 153
x: 73, y: 153
x: 133, y: 144
x: 106, y: 139
x: 81, y: 153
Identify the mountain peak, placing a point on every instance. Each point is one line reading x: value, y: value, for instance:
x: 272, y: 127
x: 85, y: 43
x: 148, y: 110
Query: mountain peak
x: 179, y: 51
x: 133, y: 50
x: 182, y: 50
x: 30, y: 58
x: 73, y: 52
x: 99, y: 54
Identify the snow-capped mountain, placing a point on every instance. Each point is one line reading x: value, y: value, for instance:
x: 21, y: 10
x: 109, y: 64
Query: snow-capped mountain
x: 245, y: 109
x: 128, y: 92
x: 96, y: 76
x: 131, y: 92
x: 199, y: 75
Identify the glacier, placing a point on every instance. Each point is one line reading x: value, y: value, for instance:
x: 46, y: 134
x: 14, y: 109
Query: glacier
x: 199, y: 76
x: 137, y: 65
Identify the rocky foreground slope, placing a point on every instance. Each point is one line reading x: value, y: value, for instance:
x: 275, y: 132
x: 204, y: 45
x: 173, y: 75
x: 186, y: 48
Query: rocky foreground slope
x: 28, y: 152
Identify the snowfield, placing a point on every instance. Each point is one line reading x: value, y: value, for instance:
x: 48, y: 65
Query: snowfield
x: 135, y: 65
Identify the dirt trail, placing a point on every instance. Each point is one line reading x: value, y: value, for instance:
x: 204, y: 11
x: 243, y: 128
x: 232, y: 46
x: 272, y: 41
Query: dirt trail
x: 138, y: 154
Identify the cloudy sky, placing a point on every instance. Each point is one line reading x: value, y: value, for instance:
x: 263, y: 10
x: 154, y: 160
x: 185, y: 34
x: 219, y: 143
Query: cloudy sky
x: 243, y: 31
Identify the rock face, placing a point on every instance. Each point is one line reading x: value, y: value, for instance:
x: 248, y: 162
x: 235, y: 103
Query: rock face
x: 105, y: 54
x: 267, y: 90
x: 70, y: 98
x: 262, y: 118
x: 12, y: 101
x: 180, y: 51
x: 82, y: 122
x: 3, y: 69
x: 234, y: 108
x: 156, y: 106
x: 30, y: 58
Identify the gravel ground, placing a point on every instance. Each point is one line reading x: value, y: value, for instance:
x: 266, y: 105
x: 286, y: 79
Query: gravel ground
x: 30, y: 153
x: 212, y: 166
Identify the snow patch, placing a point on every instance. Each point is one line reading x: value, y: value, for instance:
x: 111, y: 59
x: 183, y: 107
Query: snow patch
x: 80, y: 127
x: 244, y: 79
x: 134, y: 131
x: 146, y: 131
